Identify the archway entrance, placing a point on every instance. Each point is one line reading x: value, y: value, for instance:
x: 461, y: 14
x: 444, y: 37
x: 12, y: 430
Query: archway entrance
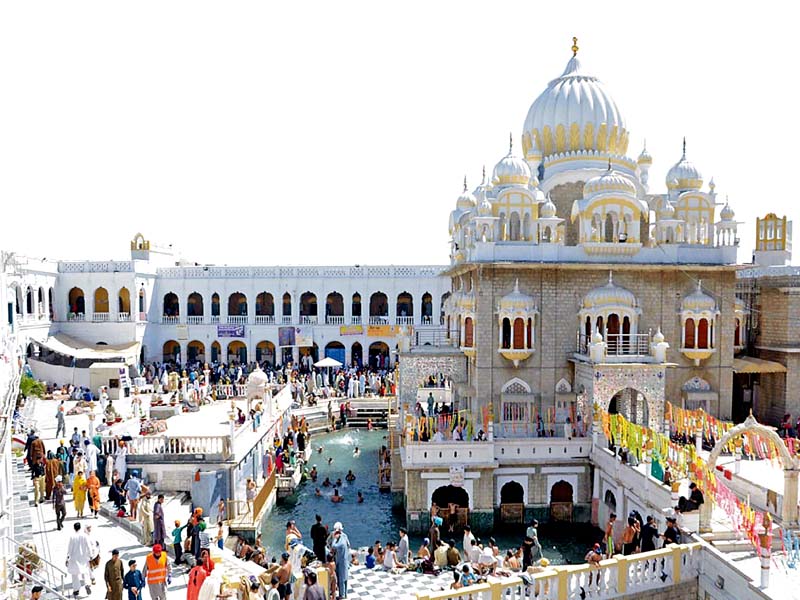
x: 561, y: 501
x: 196, y: 351
x: 336, y: 351
x: 216, y: 351
x: 631, y: 404
x: 457, y: 515
x: 265, y: 352
x: 356, y: 354
x: 237, y: 352
x: 172, y: 351
x: 378, y: 355
x: 789, y: 511
x: 512, y: 503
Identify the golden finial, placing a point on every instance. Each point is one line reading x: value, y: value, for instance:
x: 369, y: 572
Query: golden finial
x: 575, y: 47
x: 465, y: 183
x: 510, y: 143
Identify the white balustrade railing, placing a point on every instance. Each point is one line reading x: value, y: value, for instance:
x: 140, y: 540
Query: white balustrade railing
x: 214, y: 319
x: 612, y: 578
x: 100, y: 317
x: 308, y: 319
x: 334, y: 320
x: 355, y: 320
x: 236, y: 320
x: 265, y: 319
x: 405, y: 320
x: 123, y: 317
x: 184, y: 445
x: 427, y: 320
x: 381, y: 320
x: 286, y: 319
x: 167, y: 320
x: 76, y: 317
x: 195, y: 320
x: 230, y: 390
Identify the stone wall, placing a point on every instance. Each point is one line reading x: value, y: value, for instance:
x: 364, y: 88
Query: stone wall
x: 686, y: 590
x: 558, y: 292
x: 563, y: 196
x: 417, y: 365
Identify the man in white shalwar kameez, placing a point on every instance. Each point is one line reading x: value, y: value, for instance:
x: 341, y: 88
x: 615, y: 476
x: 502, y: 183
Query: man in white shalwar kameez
x: 79, y: 553
x: 90, y: 452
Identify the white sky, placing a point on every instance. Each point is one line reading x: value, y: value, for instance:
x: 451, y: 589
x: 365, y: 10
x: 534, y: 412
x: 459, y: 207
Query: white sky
x: 339, y: 132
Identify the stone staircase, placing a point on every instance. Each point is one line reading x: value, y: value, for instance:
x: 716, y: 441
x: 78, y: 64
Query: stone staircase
x: 731, y: 541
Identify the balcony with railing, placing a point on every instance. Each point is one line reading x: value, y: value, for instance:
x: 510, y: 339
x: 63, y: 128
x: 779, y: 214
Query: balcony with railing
x: 195, y: 320
x: 265, y: 319
x: 619, y: 347
x: 379, y: 320
x: 334, y: 320
x: 437, y: 337
x: 286, y: 320
x: 123, y: 317
x: 236, y: 320
x: 215, y: 319
x: 170, y: 320
x: 405, y: 320
x: 100, y: 317
x: 426, y: 320
x: 355, y: 320
x: 308, y: 319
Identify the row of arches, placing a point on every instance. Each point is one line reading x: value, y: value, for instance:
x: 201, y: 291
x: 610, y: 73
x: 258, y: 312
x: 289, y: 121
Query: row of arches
x: 33, y: 301
x: 265, y: 305
x: 265, y: 351
x: 76, y: 301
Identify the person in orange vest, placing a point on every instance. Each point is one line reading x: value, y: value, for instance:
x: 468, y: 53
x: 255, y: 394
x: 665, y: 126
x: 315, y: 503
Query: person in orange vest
x: 157, y: 573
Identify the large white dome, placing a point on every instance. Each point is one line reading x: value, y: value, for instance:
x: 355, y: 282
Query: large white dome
x: 574, y: 113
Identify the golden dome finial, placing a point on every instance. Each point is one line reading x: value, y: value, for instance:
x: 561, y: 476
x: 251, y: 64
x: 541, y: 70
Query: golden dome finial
x: 465, y: 183
x: 510, y: 143
x: 575, y: 46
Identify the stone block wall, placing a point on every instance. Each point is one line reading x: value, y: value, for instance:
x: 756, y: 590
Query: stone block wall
x: 558, y: 291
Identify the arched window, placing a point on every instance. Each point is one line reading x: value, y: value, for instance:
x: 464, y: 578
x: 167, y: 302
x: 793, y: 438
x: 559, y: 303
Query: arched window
x: 237, y: 305
x: 427, y: 305
x: 526, y: 227
x: 171, y: 305
x: 378, y: 305
x: 688, y: 334
x: 194, y: 305
x: 405, y: 305
x: 308, y: 305
x: 737, y: 333
x: 519, y: 333
x: 287, y: 305
x: 356, y: 306
x: 469, y: 333
x: 334, y: 305
x: 514, y: 227
x: 141, y: 303
x: 505, y: 341
x: 702, y: 334
x: 124, y: 301
x: 215, y: 305
x: 29, y: 301
x: 529, y: 336
x: 588, y: 326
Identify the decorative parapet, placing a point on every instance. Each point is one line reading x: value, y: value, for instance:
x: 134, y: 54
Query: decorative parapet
x: 206, y: 272
x: 110, y: 266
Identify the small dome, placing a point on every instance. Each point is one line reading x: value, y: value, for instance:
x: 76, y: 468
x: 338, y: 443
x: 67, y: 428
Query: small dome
x: 669, y: 210
x: 609, y: 295
x: 644, y: 157
x: 698, y: 300
x: 466, y: 200
x: 610, y: 181
x: 485, y: 208
x: 726, y: 214
x: 684, y: 175
x: 548, y: 209
x: 511, y: 170
x: 516, y: 301
x: 658, y: 338
x: 597, y: 337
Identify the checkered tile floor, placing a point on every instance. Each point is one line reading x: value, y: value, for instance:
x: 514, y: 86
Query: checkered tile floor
x: 376, y: 583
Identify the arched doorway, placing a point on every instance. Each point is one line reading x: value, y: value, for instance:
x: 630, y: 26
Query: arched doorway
x: 312, y: 351
x: 450, y: 494
x: 75, y: 300
x: 265, y: 305
x: 334, y: 309
x: 237, y: 305
x: 336, y: 351
x: 355, y: 308
x: 308, y: 308
x: 378, y: 309
x: 196, y: 351
x: 265, y: 353
x: 379, y: 355
x: 286, y: 311
x: 561, y: 501
x: 405, y: 308
x: 630, y: 403
x: 194, y: 305
x: 512, y: 503
x: 51, y: 303
x: 427, y: 309
x: 215, y: 305
x: 171, y: 352
x: 216, y: 352
x: 237, y: 352
x: 29, y: 301
x: 356, y: 355
x: 172, y: 307
x: 101, y: 301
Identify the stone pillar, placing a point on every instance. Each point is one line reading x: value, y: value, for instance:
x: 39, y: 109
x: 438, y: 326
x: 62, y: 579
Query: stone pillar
x: 765, y: 552
x: 698, y: 440
x: 789, y: 510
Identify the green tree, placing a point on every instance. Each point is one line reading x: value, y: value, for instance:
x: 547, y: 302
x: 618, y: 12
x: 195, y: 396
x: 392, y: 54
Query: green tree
x: 28, y: 386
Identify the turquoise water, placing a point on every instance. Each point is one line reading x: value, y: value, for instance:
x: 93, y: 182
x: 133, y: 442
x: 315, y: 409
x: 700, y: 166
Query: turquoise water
x: 373, y: 519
